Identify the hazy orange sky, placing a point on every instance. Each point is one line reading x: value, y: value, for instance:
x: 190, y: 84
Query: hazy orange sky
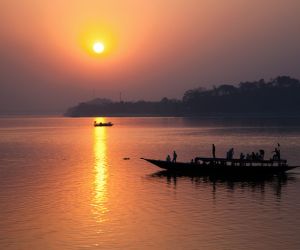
x: 153, y: 48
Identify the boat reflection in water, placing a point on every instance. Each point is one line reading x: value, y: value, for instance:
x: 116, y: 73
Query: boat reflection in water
x: 253, y: 183
x: 101, y: 174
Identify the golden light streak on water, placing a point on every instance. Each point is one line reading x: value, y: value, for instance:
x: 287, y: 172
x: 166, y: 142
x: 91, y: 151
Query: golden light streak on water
x: 101, y: 174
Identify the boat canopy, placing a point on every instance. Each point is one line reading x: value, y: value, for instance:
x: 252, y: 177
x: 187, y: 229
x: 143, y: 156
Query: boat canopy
x: 225, y: 160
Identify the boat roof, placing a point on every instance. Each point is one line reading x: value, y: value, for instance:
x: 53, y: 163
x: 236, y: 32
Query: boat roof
x: 209, y: 159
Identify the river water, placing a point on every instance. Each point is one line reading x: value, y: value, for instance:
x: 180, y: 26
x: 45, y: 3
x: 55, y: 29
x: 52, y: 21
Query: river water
x: 65, y: 185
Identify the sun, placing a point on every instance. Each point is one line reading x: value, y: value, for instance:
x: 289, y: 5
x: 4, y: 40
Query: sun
x: 98, y: 47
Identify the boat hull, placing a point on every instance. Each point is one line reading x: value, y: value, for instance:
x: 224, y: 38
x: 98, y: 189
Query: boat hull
x: 220, y: 170
x: 103, y: 125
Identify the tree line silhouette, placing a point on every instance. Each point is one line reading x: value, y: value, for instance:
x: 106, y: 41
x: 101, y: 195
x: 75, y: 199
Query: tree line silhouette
x: 279, y: 95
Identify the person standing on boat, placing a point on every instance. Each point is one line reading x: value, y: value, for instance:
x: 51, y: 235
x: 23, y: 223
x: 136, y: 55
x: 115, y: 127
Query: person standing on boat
x: 229, y: 154
x: 278, y: 151
x: 168, y: 158
x: 174, y: 156
x: 261, y: 154
x: 276, y: 155
x: 242, y: 156
x: 214, y: 151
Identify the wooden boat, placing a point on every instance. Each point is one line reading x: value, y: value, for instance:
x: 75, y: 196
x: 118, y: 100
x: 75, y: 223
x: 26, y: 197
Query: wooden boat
x: 224, y: 167
x: 103, y: 124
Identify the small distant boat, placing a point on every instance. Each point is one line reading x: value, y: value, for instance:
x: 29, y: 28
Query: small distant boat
x: 103, y: 124
x: 224, y: 167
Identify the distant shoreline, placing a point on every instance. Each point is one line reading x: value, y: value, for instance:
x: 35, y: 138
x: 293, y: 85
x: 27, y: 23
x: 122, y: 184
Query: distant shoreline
x: 215, y: 115
x: 279, y: 96
x: 3, y: 116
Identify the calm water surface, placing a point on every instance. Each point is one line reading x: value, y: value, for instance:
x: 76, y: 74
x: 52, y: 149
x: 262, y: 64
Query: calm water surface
x: 64, y: 185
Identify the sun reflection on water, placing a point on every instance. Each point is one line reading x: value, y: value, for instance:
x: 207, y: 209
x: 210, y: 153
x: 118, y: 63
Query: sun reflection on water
x: 101, y: 174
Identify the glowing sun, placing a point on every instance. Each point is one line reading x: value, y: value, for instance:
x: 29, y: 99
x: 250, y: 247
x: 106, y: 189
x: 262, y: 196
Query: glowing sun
x: 98, y: 47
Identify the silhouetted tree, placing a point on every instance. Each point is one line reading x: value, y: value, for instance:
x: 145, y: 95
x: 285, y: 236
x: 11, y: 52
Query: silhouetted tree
x: 280, y: 94
x: 226, y: 89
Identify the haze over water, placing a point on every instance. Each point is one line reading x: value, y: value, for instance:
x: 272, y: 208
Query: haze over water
x: 64, y: 185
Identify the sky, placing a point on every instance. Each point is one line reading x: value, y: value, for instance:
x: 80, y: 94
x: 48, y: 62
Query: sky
x: 153, y: 48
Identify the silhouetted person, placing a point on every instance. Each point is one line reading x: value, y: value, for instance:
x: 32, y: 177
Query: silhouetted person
x: 242, y: 156
x: 230, y: 153
x: 168, y: 158
x: 276, y: 155
x: 174, y: 156
x: 248, y: 157
x: 214, y: 151
x: 262, y: 154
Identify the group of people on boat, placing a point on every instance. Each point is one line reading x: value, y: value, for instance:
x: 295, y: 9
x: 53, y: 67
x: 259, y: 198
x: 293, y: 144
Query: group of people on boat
x: 229, y: 154
x: 174, y: 157
x: 258, y: 156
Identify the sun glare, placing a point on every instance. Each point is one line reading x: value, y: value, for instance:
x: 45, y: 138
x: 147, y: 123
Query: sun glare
x: 97, y: 41
x: 98, y: 47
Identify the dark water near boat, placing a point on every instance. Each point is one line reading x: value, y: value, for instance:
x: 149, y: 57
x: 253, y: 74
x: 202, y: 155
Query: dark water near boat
x: 64, y: 185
